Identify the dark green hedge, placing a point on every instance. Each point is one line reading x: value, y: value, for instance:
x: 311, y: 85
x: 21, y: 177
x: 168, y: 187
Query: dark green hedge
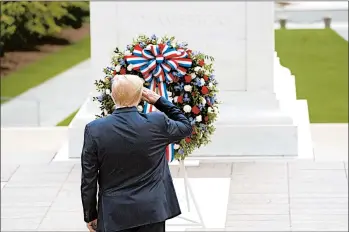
x: 23, y: 22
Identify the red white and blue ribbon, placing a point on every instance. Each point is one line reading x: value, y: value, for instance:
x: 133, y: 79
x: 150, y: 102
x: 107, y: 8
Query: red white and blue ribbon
x: 158, y: 63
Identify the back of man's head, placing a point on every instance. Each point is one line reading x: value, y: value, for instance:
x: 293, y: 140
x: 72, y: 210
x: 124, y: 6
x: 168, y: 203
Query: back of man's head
x: 127, y: 90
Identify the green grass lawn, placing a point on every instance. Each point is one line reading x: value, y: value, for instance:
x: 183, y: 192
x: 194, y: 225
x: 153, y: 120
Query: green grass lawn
x: 67, y: 120
x: 319, y: 61
x: 45, y: 68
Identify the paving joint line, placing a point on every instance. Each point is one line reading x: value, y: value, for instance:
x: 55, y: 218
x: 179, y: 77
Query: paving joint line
x: 3, y: 182
x: 60, y: 189
x: 345, y: 170
x: 12, y: 174
x: 289, y: 195
x: 230, y: 195
x: 231, y: 168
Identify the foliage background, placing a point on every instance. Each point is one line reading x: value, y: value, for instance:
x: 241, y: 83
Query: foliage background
x: 25, y: 22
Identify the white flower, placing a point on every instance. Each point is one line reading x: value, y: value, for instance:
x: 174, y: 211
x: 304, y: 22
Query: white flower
x: 188, y: 88
x: 203, y: 101
x: 215, y: 109
x: 117, y: 68
x: 207, y: 73
x: 197, y: 69
x: 107, y: 91
x: 140, y: 108
x: 210, y: 85
x: 210, y: 109
x: 173, y: 43
x: 193, y: 75
x: 198, y: 118
x: 129, y: 67
x: 127, y: 53
x: 176, y: 146
x: 175, y: 99
x: 202, y: 81
x: 187, y: 108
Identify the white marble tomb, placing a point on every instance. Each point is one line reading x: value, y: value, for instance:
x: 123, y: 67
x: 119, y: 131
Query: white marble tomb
x: 260, y: 115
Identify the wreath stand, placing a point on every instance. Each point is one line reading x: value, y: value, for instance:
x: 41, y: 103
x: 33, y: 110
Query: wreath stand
x: 189, y: 194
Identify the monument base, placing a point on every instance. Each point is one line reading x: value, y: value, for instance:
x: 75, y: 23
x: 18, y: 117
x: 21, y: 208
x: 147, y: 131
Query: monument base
x: 269, y: 139
x: 86, y: 114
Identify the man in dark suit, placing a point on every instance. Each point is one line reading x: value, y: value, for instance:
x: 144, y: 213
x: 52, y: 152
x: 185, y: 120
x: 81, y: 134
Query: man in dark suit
x: 125, y: 153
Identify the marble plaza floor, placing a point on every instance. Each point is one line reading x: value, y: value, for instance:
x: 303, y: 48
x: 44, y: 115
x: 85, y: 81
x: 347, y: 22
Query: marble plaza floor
x: 40, y: 195
x: 276, y: 196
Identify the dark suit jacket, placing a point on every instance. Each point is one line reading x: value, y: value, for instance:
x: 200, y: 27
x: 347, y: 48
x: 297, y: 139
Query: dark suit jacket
x: 125, y: 153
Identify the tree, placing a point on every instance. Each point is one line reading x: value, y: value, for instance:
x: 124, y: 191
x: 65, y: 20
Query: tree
x: 23, y: 22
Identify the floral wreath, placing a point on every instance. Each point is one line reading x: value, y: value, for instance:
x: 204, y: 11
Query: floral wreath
x: 175, y: 72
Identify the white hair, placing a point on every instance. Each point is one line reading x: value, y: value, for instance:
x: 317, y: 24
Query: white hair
x: 127, y: 90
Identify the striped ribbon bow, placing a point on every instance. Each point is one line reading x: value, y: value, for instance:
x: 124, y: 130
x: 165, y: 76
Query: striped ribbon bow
x: 158, y: 65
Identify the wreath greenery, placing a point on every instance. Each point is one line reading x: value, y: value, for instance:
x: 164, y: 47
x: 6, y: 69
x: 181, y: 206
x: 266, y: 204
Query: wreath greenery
x: 183, y: 76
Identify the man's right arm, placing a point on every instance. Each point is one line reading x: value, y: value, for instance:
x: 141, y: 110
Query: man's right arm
x: 177, y: 125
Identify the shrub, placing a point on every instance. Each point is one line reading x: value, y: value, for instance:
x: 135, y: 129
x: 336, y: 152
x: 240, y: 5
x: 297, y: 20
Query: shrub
x: 24, y: 22
x: 78, y: 12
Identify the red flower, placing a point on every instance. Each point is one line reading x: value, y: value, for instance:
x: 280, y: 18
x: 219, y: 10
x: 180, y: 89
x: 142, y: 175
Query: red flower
x: 206, y: 118
x: 195, y: 110
x: 180, y: 99
x: 122, y: 71
x: 193, y: 94
x: 114, y: 72
x: 206, y: 78
x: 187, y: 139
x: 204, y: 90
x: 194, y: 131
x: 201, y: 63
x: 187, y: 78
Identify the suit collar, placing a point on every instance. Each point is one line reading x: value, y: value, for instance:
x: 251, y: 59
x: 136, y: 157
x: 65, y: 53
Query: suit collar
x: 125, y: 110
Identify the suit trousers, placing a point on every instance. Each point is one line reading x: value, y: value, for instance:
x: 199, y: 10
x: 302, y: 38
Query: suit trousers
x: 155, y: 227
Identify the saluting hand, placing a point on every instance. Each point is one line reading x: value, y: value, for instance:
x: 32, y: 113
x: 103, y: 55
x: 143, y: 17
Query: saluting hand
x: 149, y: 96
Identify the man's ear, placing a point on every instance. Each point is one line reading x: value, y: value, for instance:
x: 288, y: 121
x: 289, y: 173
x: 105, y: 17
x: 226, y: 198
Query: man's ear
x: 111, y: 95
